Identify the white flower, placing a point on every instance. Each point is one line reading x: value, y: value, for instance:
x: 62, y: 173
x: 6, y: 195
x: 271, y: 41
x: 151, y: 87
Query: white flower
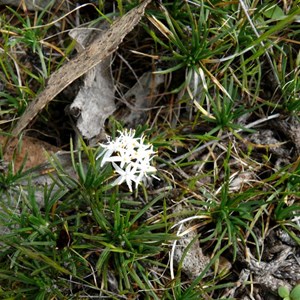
x: 127, y: 175
x: 130, y: 158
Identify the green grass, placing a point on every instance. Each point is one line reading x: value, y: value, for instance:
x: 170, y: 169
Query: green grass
x: 226, y: 70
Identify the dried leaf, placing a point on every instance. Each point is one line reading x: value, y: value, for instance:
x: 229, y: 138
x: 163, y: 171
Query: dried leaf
x: 83, y: 62
x: 95, y: 99
x: 140, y: 94
x: 31, y: 148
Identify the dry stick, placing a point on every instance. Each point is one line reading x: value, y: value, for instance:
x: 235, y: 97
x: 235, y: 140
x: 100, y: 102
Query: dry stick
x: 251, y: 125
x: 95, y: 53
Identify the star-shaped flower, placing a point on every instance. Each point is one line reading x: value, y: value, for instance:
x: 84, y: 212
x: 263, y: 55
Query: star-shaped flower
x: 130, y: 158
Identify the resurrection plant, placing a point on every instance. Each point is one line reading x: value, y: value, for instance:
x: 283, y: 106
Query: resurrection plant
x: 130, y: 158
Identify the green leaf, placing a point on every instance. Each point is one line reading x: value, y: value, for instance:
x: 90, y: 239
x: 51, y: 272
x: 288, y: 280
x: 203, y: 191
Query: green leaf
x: 295, y: 293
x: 279, y: 26
x: 283, y: 291
x: 42, y: 257
x: 274, y: 12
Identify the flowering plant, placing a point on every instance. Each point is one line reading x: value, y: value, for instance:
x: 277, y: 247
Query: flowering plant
x: 130, y: 157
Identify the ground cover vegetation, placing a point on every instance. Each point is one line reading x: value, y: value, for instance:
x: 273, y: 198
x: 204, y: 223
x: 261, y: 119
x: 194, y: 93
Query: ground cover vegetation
x: 204, y: 204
